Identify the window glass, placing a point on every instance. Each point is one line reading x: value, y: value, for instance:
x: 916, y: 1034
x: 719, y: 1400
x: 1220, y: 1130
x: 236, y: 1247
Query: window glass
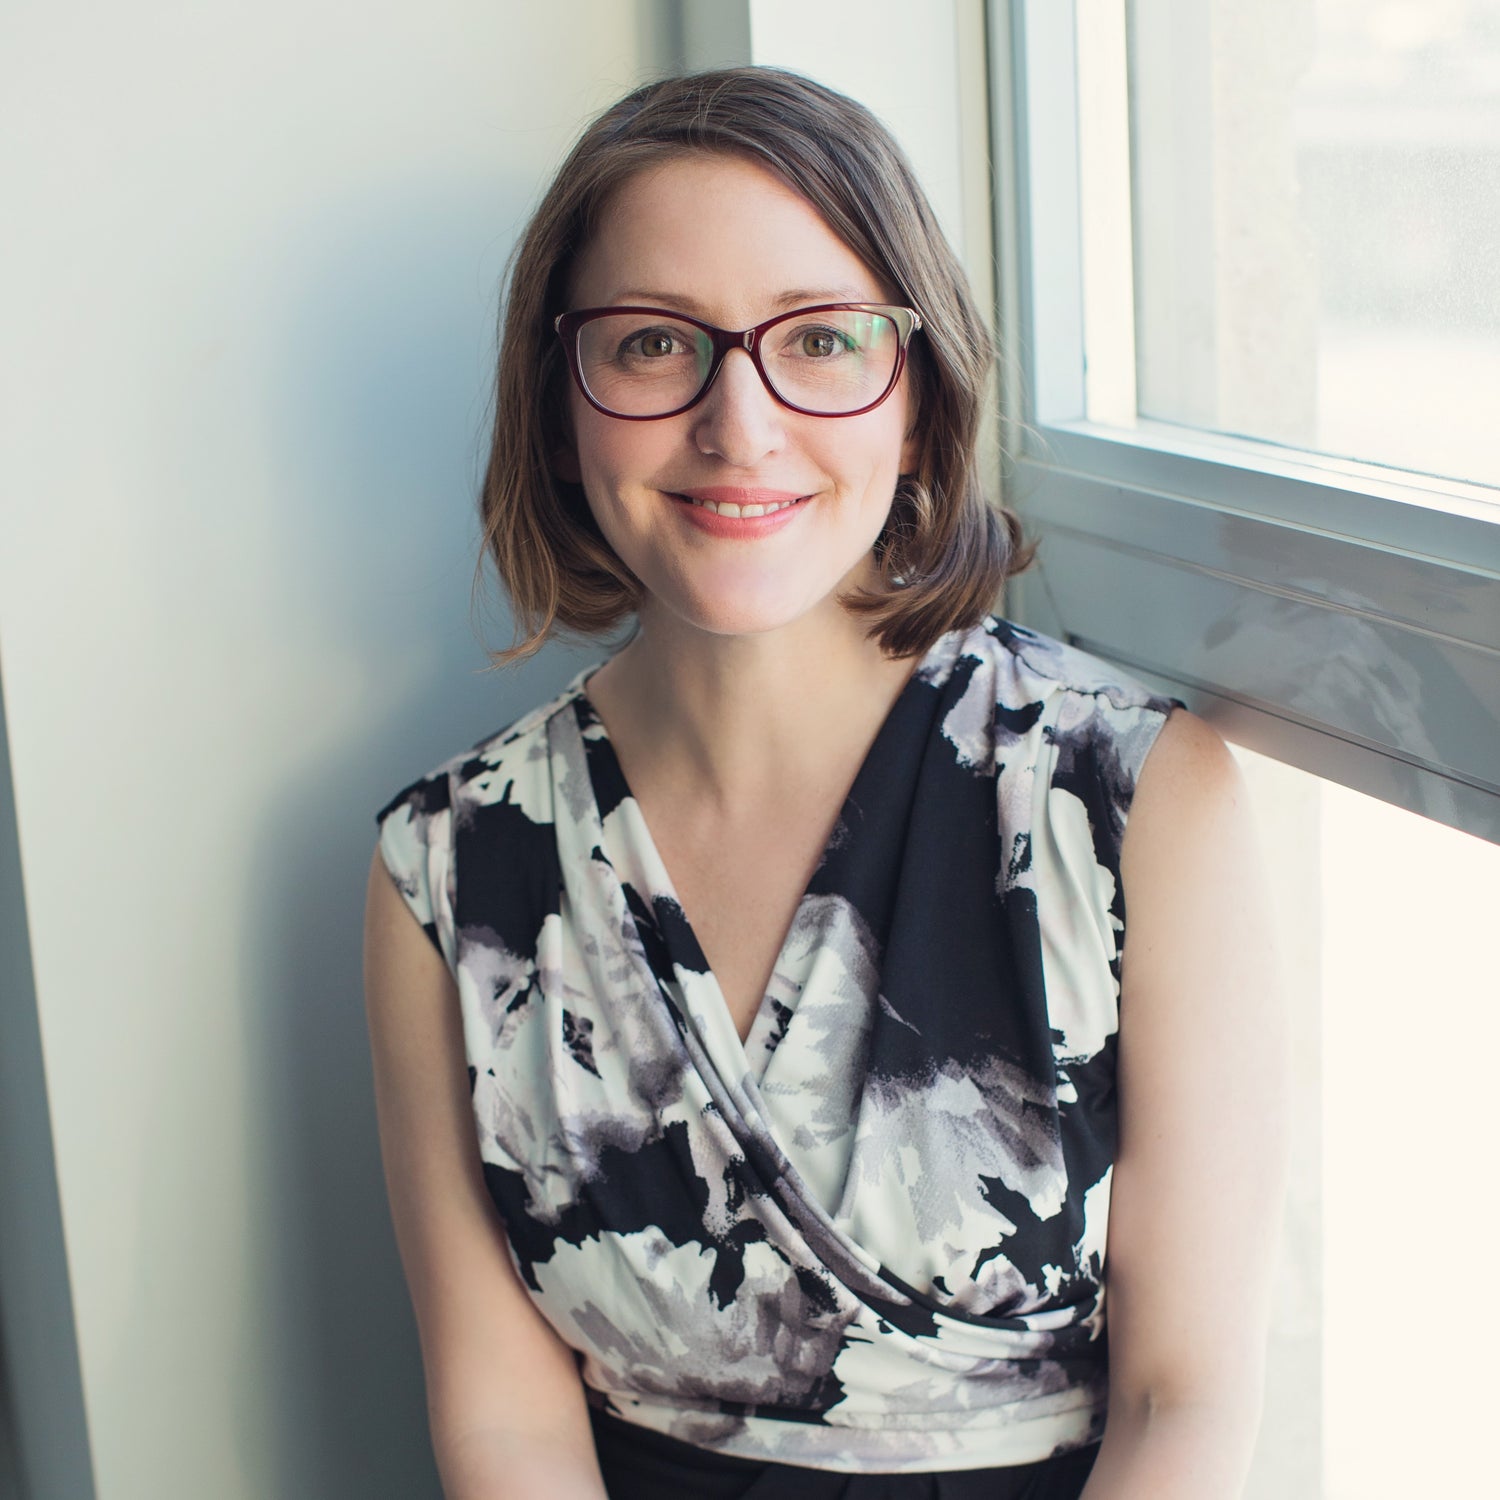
x: 1315, y: 223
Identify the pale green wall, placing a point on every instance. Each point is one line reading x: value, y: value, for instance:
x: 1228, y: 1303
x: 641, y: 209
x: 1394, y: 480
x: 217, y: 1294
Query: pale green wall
x: 249, y: 303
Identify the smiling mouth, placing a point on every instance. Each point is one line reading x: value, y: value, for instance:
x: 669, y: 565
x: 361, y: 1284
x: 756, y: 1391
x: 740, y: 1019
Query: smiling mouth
x: 735, y: 512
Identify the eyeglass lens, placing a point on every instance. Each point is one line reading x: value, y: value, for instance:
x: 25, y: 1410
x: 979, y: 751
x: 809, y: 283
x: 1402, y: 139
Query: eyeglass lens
x: 642, y: 365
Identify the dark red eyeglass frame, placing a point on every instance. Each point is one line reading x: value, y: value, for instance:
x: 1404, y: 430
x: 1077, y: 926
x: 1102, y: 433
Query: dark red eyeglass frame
x: 906, y: 319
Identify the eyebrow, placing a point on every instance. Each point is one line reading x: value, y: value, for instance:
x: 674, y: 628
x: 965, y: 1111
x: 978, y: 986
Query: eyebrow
x: 801, y: 297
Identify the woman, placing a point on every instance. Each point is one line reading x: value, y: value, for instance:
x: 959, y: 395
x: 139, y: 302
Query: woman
x: 778, y: 964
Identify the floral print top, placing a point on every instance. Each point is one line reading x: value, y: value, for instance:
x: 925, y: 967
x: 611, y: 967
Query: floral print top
x: 871, y: 1237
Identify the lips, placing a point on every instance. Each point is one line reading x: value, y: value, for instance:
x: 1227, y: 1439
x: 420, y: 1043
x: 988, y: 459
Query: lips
x: 737, y: 503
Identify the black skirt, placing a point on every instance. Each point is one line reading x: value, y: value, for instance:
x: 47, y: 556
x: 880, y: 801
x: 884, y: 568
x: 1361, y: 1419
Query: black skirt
x: 642, y: 1465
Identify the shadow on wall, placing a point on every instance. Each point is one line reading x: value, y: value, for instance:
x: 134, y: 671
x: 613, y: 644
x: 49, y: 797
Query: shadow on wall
x: 10, y: 1474
x: 375, y: 413
x: 44, y: 1446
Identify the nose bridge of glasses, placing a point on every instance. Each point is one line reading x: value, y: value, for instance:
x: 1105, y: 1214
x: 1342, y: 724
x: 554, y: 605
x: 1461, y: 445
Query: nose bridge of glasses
x: 716, y: 388
x: 719, y: 344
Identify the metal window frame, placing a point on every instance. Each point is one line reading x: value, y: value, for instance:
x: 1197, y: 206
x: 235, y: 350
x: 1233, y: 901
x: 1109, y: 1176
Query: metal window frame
x: 1341, y: 617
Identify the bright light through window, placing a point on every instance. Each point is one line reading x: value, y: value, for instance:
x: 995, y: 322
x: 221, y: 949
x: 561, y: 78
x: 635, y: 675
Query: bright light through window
x: 1315, y: 222
x: 1381, y: 1378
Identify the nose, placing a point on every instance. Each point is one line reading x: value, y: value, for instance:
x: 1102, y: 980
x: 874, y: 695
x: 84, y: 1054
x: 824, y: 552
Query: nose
x: 739, y: 420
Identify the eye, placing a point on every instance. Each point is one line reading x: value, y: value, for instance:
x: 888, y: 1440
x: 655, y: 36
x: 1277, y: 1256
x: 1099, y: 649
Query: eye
x: 820, y: 343
x: 652, y: 343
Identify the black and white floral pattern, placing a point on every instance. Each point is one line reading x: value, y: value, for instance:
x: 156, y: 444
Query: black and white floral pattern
x: 872, y: 1236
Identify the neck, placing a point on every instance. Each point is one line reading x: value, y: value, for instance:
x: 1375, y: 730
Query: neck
x: 736, y: 716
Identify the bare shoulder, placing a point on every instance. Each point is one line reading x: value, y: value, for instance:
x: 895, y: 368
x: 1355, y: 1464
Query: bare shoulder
x: 1189, y: 759
x: 1199, y: 926
x: 397, y: 951
x: 1190, y: 804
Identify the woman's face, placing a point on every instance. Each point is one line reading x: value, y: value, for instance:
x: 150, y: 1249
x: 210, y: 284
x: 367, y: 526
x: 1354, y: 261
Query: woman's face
x: 724, y: 241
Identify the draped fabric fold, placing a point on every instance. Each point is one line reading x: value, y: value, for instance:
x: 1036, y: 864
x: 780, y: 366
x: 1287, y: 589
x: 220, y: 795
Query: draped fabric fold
x: 871, y: 1237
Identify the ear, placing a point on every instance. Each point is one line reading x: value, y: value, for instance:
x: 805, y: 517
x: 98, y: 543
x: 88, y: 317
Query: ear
x: 565, y: 465
x: 911, y: 449
x: 911, y: 444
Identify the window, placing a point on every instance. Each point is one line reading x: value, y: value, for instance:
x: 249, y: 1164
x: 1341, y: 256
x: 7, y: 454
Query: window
x: 1317, y: 252
x: 1249, y: 283
x: 1215, y: 372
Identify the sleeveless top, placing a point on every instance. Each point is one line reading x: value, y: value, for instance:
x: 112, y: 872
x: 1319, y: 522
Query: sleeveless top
x: 870, y: 1238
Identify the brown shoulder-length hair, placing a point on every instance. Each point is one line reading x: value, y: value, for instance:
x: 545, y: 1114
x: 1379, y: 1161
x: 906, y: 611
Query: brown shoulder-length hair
x: 944, y: 552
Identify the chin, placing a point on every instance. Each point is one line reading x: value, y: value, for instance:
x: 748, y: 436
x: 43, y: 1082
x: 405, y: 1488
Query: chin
x: 728, y: 613
x: 732, y: 598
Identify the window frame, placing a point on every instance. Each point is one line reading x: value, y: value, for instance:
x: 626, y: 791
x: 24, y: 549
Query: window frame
x: 1341, y: 617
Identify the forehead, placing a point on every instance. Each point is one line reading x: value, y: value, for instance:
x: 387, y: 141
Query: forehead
x: 721, y: 237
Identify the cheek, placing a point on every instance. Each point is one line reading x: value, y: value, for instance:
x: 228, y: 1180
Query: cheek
x: 617, y: 464
x: 597, y: 445
x: 884, y: 443
x: 893, y: 442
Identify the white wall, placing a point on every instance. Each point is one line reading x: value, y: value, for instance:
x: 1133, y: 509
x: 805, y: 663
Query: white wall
x: 922, y: 69
x: 248, y: 302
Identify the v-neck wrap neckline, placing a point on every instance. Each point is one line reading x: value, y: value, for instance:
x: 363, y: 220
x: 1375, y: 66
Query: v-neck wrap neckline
x: 626, y: 840
x: 871, y: 1236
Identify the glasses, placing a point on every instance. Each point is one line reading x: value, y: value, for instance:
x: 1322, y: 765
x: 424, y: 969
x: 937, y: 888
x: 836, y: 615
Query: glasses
x: 641, y: 363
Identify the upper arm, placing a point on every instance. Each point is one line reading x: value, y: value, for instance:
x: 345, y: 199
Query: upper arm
x: 491, y: 1360
x: 1196, y: 1197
